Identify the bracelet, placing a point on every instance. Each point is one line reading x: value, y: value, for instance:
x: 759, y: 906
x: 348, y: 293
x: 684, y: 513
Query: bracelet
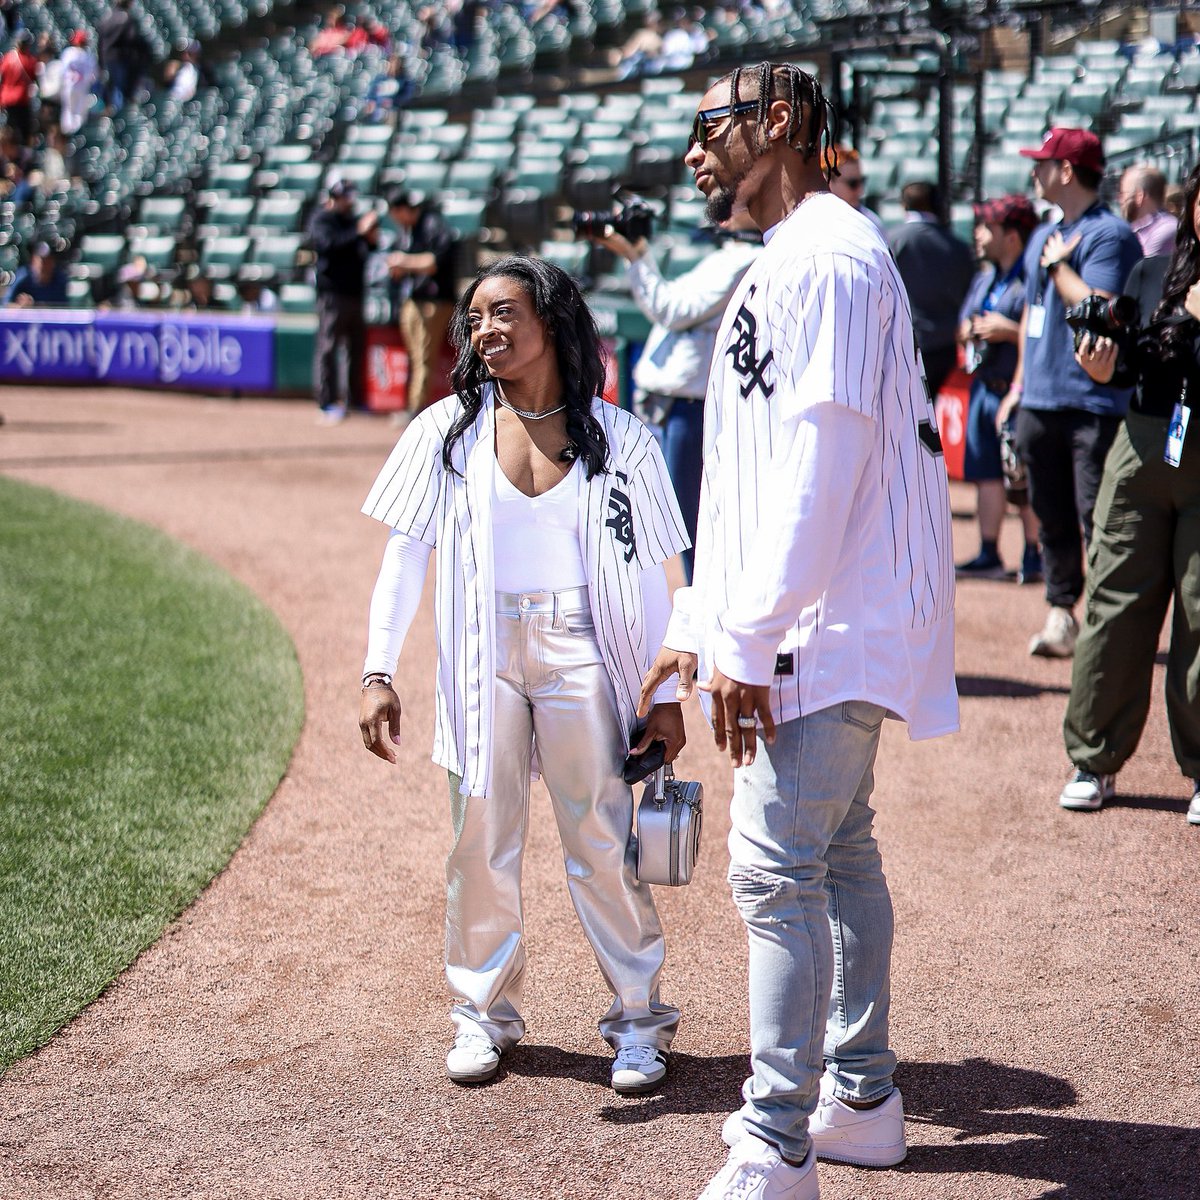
x: 1051, y: 266
x: 376, y: 678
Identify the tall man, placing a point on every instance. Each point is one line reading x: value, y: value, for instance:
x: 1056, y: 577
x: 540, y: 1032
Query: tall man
x: 822, y: 603
x: 342, y: 244
x: 422, y: 263
x: 1066, y: 422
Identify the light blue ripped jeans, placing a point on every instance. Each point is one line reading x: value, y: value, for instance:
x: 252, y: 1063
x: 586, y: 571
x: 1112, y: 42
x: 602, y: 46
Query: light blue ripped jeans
x: 808, y: 881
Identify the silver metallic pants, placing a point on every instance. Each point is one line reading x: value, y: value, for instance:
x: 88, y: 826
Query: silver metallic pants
x: 552, y: 687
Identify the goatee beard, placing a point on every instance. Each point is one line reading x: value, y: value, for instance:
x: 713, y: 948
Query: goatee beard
x: 718, y: 208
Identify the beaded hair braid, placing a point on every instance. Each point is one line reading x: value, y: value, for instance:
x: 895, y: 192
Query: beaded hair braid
x: 785, y: 81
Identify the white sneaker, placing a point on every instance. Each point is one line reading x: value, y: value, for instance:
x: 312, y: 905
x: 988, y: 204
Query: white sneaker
x: 334, y: 415
x: 1057, y: 639
x: 638, y: 1069
x: 756, y: 1171
x: 1194, y: 807
x: 1086, y: 791
x: 871, y: 1137
x: 472, y: 1059
x: 864, y: 1137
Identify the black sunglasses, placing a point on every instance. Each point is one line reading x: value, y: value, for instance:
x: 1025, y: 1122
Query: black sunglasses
x: 710, y: 116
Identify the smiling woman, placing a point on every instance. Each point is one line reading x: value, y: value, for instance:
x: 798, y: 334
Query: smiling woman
x: 552, y: 514
x: 149, y: 708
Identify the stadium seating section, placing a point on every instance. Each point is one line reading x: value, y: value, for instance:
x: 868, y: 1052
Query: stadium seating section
x: 228, y: 179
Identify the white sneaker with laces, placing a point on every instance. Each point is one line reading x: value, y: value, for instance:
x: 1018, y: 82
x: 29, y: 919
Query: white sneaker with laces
x: 638, y: 1069
x: 1057, y: 639
x: 473, y: 1058
x: 755, y: 1170
x: 1086, y: 791
x: 1194, y: 807
x: 871, y: 1137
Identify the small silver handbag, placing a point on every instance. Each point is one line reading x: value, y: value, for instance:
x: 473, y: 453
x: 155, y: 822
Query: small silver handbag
x: 668, y: 829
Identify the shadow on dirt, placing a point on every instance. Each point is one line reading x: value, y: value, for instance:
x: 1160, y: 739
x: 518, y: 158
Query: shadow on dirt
x: 1081, y: 1159
x: 977, y: 687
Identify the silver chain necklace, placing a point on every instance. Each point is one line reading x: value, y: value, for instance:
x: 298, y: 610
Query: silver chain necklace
x: 529, y: 416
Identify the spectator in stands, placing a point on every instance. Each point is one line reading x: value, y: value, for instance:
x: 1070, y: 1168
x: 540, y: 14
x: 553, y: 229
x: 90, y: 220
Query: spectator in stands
x: 52, y: 173
x: 42, y: 283
x: 990, y: 324
x: 937, y: 269
x: 847, y: 181
x: 678, y: 49
x: 78, y: 78
x: 1142, y: 200
x: 1066, y: 421
x: 341, y: 243
x: 671, y: 375
x: 1145, y: 553
x: 422, y: 264
x: 184, y: 75
x: 332, y: 37
x: 18, y: 86
x: 256, y: 296
x: 367, y: 34
x: 15, y: 163
x: 123, y: 54
x: 197, y: 294
x: 49, y: 83
x: 641, y: 52
x: 389, y: 91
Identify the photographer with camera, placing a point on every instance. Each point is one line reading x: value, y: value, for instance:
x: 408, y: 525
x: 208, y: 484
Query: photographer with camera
x: 671, y: 376
x: 1146, y: 546
x: 1067, y: 420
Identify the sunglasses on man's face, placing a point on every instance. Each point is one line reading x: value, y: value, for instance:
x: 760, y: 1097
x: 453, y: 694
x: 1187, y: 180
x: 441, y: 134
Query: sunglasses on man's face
x: 707, y: 120
x: 860, y: 182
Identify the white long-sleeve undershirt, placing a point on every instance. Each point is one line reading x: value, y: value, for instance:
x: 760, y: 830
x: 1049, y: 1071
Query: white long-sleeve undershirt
x: 397, y: 596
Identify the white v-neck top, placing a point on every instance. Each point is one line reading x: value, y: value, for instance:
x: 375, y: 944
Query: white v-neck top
x: 535, y: 539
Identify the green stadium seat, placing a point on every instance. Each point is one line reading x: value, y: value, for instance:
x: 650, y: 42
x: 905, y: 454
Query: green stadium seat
x: 298, y: 297
x: 279, y: 252
x: 572, y: 257
x: 159, y: 251
x: 464, y: 215
x: 162, y: 213
x: 101, y: 252
x: 233, y: 178
x: 221, y: 257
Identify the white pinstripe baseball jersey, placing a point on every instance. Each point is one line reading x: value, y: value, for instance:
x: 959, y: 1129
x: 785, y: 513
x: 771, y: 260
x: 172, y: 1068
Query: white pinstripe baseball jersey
x: 629, y: 521
x: 823, y: 556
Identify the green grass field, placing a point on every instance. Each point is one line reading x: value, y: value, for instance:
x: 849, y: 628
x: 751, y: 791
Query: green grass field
x: 149, y: 705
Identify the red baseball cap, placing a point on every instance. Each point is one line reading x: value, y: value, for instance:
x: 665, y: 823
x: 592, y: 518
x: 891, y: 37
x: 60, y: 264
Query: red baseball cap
x: 79, y: 38
x: 1079, y: 147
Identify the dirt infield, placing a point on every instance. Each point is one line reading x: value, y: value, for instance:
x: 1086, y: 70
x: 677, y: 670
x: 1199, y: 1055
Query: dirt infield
x: 286, y: 1037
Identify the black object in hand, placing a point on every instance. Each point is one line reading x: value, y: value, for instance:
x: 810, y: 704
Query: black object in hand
x: 642, y: 766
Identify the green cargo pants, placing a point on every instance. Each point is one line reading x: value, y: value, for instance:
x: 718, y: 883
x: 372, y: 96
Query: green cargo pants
x: 1145, y: 550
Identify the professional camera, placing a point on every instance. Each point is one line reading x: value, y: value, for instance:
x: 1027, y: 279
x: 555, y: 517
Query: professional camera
x: 1102, y: 317
x: 633, y: 221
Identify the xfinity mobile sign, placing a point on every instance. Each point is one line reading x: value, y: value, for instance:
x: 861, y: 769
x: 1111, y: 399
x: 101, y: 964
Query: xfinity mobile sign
x: 204, y: 351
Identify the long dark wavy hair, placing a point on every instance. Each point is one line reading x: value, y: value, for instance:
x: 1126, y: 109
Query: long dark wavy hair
x: 786, y: 81
x: 1182, y: 271
x: 581, y: 360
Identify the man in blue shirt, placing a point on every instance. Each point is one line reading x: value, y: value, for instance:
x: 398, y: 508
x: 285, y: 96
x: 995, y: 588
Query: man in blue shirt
x: 1066, y: 421
x: 42, y: 282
